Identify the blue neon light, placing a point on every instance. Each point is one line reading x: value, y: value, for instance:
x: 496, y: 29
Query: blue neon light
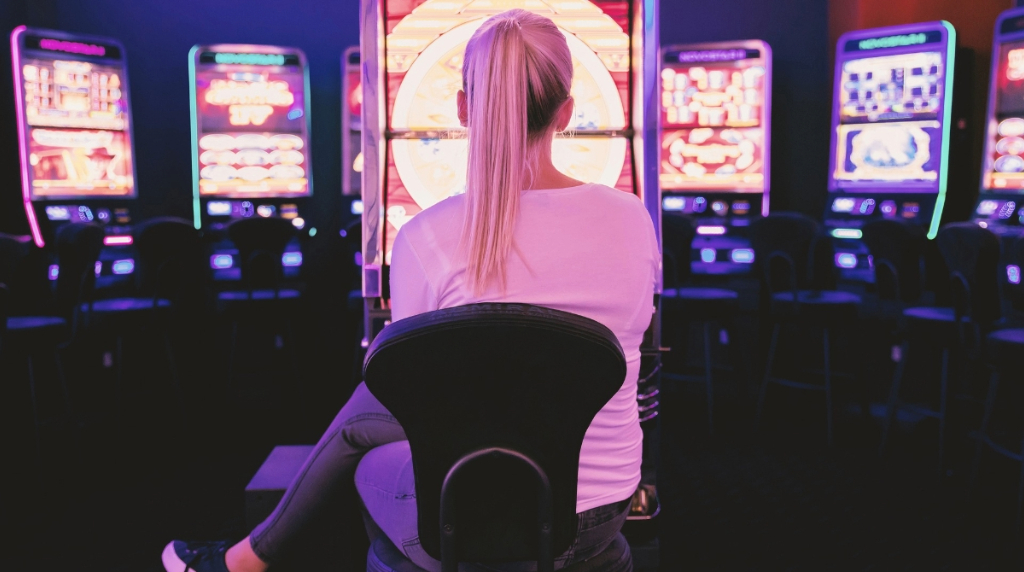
x: 126, y: 266
x: 99, y: 267
x: 54, y: 272
x: 218, y: 208
x: 846, y: 260
x: 357, y: 207
x: 673, y: 203
x: 222, y: 261
x: 708, y: 255
x: 295, y: 114
x: 291, y: 259
x: 54, y: 212
x: 742, y: 255
x: 847, y: 233
x: 1013, y: 274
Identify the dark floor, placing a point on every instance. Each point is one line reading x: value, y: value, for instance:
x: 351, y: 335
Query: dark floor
x: 131, y: 477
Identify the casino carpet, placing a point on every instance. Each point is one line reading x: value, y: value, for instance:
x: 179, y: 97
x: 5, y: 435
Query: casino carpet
x: 780, y: 500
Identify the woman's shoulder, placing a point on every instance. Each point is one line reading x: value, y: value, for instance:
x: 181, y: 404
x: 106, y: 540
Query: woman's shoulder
x: 445, y: 213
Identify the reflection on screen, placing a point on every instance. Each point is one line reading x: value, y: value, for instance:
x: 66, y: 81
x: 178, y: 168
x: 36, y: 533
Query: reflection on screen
x: 426, y: 42
x: 251, y: 139
x: 78, y: 136
x: 892, y: 88
x: 1004, y: 148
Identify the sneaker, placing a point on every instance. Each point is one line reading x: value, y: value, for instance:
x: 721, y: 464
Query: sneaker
x: 181, y: 556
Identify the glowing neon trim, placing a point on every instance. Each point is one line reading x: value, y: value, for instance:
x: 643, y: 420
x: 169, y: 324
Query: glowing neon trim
x: 249, y: 59
x: 115, y: 240
x: 847, y: 233
x: 19, y: 101
x: 708, y: 255
x: 54, y: 272
x: 742, y: 255
x: 947, y: 117
x: 711, y: 230
x: 1013, y: 274
x: 221, y: 261
x: 196, y: 214
x: 846, y: 260
x: 120, y: 267
x: 72, y: 47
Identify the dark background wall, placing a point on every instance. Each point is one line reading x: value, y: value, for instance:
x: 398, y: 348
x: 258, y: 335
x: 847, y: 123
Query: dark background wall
x: 158, y: 35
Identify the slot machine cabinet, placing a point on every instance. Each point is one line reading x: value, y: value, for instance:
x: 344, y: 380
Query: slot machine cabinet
x: 1000, y: 206
x: 250, y: 144
x: 892, y: 121
x: 351, y: 124
x: 411, y: 71
x: 715, y: 146
x: 76, y: 142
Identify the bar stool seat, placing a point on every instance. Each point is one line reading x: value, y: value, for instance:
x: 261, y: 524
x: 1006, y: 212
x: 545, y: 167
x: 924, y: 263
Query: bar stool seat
x: 42, y: 326
x: 385, y: 557
x: 820, y: 304
x: 700, y: 303
x: 247, y: 296
x: 122, y: 305
x: 1000, y: 341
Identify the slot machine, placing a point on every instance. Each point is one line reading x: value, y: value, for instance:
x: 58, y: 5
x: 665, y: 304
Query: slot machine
x: 1000, y: 206
x: 715, y: 146
x: 75, y: 134
x: 892, y: 117
x: 411, y: 72
x: 351, y: 124
x: 250, y: 144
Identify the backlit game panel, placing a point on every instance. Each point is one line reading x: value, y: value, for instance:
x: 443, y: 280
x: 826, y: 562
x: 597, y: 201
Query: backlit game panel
x: 74, y: 126
x: 426, y: 151
x: 1001, y: 201
x: 715, y: 134
x: 250, y: 141
x: 892, y: 105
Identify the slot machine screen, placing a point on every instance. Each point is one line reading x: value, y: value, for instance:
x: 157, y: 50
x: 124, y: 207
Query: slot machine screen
x: 74, y: 116
x: 1004, y: 164
x: 713, y: 120
x: 250, y: 127
x: 351, y: 109
x: 426, y: 41
x: 890, y: 122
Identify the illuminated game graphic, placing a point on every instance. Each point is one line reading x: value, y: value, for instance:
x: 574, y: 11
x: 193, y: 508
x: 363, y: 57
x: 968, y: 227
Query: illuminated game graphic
x: 250, y: 123
x: 891, y: 126
x: 74, y: 123
x: 426, y: 152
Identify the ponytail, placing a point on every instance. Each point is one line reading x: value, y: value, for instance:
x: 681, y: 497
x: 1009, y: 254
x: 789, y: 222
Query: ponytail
x: 516, y: 73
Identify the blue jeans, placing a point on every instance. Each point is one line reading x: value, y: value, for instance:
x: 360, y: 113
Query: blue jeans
x: 386, y: 485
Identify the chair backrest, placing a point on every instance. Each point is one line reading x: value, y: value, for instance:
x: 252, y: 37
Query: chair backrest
x: 170, y: 259
x: 261, y: 243
x: 1015, y: 291
x: 972, y: 253
x: 474, y: 377
x: 78, y: 249
x: 678, y: 232
x: 790, y: 252
x: 897, y: 250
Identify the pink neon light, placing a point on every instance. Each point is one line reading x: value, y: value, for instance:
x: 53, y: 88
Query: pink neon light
x: 26, y: 195
x: 72, y: 47
x: 710, y: 230
x: 117, y: 240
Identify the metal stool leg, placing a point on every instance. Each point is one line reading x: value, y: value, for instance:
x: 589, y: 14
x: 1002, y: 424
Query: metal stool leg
x: 68, y: 409
x: 231, y: 354
x: 1020, y: 488
x: 707, y: 377
x: 828, y: 383
x: 35, y: 403
x: 767, y: 374
x: 943, y: 393
x: 894, y: 394
x: 990, y: 400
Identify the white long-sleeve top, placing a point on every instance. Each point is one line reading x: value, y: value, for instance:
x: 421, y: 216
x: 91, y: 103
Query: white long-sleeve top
x: 590, y: 250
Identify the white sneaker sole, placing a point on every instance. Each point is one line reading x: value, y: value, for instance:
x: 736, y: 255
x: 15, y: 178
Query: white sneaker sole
x: 170, y: 559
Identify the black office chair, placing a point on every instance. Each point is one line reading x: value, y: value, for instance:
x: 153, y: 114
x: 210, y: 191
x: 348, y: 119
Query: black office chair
x: 495, y: 397
x: 798, y: 277
x: 1003, y: 350
x: 685, y: 305
x: 261, y: 243
x: 971, y: 255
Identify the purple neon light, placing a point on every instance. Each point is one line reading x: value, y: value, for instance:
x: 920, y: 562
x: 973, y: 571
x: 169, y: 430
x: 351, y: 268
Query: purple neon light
x: 699, y: 56
x: 72, y: 47
x: 19, y: 101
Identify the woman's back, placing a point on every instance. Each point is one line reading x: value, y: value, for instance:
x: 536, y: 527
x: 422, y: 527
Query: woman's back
x: 589, y: 250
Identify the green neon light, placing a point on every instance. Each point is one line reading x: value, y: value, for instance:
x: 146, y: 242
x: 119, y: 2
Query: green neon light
x: 947, y: 114
x: 249, y: 59
x: 196, y: 207
x: 890, y: 41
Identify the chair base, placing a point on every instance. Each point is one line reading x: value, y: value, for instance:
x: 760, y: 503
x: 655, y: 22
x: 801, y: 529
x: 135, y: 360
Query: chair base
x: 385, y: 557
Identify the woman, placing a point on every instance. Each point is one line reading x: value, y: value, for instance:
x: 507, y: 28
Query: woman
x: 523, y: 232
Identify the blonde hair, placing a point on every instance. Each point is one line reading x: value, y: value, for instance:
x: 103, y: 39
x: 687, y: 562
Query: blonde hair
x: 516, y: 73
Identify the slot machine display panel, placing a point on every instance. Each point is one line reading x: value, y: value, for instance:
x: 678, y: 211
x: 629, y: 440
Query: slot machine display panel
x: 351, y: 123
x: 1000, y: 206
x: 422, y: 144
x: 250, y: 143
x: 76, y: 144
x: 892, y: 106
x: 715, y: 146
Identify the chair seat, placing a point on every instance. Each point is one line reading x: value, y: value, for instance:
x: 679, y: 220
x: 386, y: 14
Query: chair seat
x: 815, y: 304
x: 230, y: 296
x: 385, y: 557
x: 116, y: 305
x: 700, y: 304
x: 1004, y: 347
x: 36, y: 329
x: 930, y: 314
